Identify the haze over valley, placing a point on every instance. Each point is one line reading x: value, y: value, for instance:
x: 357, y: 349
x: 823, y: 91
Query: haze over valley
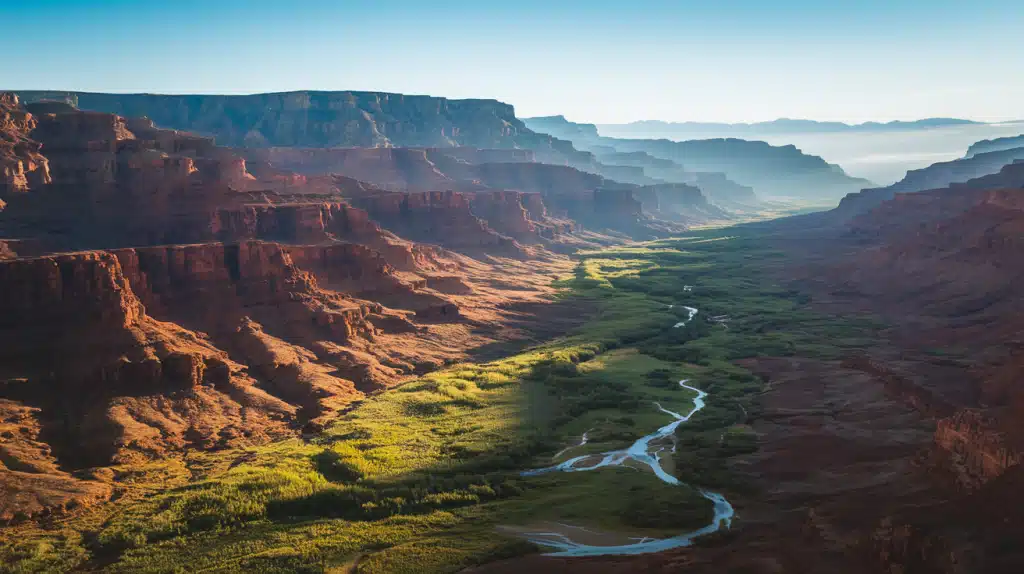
x: 880, y: 155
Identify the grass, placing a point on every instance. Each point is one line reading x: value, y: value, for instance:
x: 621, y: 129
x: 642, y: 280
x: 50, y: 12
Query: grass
x: 419, y: 478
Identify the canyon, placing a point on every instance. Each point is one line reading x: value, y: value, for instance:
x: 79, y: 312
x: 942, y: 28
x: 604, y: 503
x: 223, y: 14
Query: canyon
x: 242, y: 323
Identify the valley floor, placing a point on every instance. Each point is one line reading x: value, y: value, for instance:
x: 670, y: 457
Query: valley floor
x: 427, y: 477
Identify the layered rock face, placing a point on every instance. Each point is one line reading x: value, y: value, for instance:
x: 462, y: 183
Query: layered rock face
x: 489, y: 186
x: 391, y: 168
x: 331, y: 119
x: 445, y: 217
x: 114, y: 182
x: 194, y: 346
x: 678, y: 202
x: 506, y: 212
x: 94, y: 404
x: 22, y: 166
x: 560, y: 127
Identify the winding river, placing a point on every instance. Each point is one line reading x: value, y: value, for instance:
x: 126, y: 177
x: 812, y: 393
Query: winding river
x: 646, y: 451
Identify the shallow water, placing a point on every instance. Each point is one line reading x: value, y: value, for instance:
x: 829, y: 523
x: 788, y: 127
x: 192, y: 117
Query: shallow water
x: 640, y: 452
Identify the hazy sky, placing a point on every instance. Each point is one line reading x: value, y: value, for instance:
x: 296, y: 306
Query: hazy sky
x: 596, y: 61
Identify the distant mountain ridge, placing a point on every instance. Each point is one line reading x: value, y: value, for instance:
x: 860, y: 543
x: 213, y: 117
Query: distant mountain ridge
x: 779, y: 126
x: 997, y: 144
x: 947, y: 174
x: 773, y: 170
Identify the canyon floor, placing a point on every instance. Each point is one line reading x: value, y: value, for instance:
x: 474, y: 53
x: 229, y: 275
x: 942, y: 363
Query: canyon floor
x: 427, y: 476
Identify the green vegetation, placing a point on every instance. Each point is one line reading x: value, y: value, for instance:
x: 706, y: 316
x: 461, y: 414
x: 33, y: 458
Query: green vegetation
x: 419, y: 479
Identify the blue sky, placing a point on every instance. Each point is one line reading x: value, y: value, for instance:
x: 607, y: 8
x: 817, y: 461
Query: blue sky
x: 597, y: 61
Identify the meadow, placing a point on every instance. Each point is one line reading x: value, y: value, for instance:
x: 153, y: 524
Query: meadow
x: 421, y: 478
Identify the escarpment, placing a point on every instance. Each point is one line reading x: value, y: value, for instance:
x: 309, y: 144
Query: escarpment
x: 314, y: 119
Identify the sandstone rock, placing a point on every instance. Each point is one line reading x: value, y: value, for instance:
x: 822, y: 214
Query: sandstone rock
x: 979, y: 451
x: 22, y: 166
x: 443, y: 217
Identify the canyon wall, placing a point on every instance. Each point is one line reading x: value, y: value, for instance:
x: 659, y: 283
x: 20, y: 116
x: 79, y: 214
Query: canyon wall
x: 971, y: 172
x: 22, y: 166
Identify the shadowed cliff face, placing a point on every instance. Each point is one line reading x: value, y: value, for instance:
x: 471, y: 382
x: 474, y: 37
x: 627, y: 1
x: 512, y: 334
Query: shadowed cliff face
x: 942, y: 267
x: 680, y: 202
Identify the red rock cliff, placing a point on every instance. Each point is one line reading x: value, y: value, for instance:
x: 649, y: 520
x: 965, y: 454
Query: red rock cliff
x: 22, y: 166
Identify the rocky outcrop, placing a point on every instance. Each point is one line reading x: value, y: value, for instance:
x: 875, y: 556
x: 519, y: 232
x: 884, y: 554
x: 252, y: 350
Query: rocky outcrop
x: 942, y: 264
x: 506, y: 212
x: 22, y: 166
x: 568, y: 190
x: 978, y: 451
x: 96, y: 402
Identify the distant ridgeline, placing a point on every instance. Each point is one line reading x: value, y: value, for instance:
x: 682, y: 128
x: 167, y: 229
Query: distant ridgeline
x: 313, y: 119
x: 981, y: 169
x: 779, y: 126
x: 770, y: 170
x: 998, y: 144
